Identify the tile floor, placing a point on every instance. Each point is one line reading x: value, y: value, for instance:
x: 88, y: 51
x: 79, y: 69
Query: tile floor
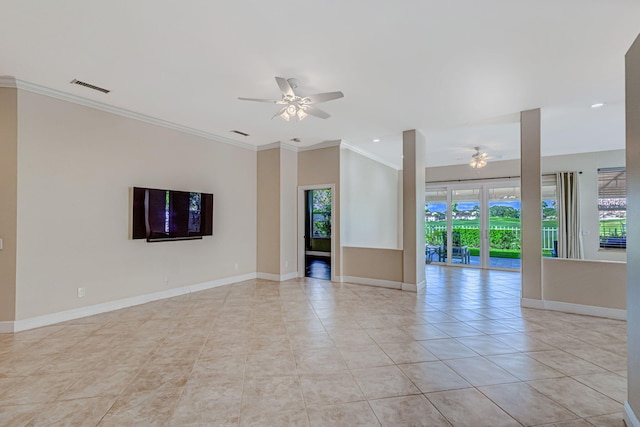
x: 311, y: 352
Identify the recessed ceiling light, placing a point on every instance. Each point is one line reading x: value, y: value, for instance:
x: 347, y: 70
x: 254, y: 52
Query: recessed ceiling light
x: 376, y: 140
x: 597, y: 105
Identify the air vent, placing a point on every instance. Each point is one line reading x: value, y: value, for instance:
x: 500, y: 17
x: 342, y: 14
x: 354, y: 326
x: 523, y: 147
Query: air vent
x: 90, y: 86
x: 240, y: 133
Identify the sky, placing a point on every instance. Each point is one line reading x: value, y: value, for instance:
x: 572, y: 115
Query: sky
x: 467, y: 206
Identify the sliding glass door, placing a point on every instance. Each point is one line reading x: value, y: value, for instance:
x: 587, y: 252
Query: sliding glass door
x: 476, y: 225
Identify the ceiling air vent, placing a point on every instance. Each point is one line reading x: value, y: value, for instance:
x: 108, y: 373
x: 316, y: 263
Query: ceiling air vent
x: 240, y: 133
x: 90, y: 86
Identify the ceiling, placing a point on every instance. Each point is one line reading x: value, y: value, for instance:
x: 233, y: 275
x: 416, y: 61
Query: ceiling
x: 458, y: 71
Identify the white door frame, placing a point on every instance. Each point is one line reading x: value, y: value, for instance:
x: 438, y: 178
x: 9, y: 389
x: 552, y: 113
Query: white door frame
x: 301, y: 213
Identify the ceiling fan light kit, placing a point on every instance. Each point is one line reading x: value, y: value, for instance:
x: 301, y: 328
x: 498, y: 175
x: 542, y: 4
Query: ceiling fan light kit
x: 478, y: 160
x: 295, y: 106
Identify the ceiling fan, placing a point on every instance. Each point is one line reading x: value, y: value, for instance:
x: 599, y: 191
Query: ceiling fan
x: 478, y: 160
x: 295, y: 106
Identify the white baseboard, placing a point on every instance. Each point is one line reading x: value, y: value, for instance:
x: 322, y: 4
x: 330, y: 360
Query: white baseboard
x: 588, y: 310
x: 532, y: 303
x: 630, y: 418
x: 410, y: 287
x: 277, y: 277
x: 268, y: 276
x: 372, y: 282
x: 76, y: 313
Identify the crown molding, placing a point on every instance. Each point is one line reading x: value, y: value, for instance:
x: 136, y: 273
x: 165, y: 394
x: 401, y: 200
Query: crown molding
x: 318, y: 146
x: 278, y: 144
x: 369, y: 155
x: 8, y: 81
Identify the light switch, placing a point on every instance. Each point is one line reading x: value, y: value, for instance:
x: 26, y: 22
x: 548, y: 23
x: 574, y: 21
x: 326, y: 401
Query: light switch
x: 0, y: 244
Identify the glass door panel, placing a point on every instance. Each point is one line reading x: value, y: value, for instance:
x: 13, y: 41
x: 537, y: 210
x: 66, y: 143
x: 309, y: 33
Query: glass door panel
x: 435, y: 224
x: 465, y: 247
x: 504, y: 227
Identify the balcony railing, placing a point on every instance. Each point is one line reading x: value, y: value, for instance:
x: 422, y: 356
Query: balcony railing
x: 549, y: 234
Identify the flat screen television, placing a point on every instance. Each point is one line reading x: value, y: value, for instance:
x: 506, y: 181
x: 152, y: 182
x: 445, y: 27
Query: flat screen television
x: 163, y: 215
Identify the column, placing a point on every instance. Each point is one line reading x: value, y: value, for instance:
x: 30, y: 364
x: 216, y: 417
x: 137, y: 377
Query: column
x: 413, y: 187
x: 530, y: 210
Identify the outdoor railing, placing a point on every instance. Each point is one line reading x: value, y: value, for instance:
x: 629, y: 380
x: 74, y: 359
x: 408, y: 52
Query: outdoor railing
x: 549, y: 234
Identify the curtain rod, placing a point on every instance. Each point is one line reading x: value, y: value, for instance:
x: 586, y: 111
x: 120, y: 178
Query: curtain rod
x: 449, y: 181
x: 472, y: 179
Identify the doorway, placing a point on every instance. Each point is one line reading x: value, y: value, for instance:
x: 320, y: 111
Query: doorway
x: 317, y: 232
x: 474, y: 224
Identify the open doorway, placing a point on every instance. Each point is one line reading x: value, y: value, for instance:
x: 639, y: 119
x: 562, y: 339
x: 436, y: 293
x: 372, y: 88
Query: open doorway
x: 317, y: 233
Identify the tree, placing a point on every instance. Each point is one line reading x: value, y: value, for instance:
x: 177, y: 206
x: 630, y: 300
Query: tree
x: 504, y: 212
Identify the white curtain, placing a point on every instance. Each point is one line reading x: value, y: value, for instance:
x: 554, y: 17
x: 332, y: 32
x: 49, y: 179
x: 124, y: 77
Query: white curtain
x: 569, y: 232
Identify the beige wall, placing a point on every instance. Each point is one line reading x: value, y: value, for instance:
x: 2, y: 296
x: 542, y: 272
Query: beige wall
x: 494, y: 169
x: 633, y: 229
x: 369, y: 202
x: 413, y: 190
x: 76, y: 166
x: 8, y: 201
x: 530, y: 189
x: 593, y: 283
x: 373, y: 263
x: 288, y: 211
x: 268, y: 220
x: 322, y: 166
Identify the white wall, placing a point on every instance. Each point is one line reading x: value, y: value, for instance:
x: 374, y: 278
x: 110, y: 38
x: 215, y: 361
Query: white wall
x: 370, y: 202
x: 76, y: 166
x: 588, y: 163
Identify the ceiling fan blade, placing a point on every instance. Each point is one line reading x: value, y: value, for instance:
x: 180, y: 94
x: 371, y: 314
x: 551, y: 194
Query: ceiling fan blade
x: 314, y: 111
x: 278, y: 113
x: 270, y: 101
x: 284, y: 86
x: 323, y: 97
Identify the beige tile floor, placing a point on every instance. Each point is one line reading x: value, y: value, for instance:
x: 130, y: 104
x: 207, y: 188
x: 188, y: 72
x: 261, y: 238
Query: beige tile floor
x: 314, y: 353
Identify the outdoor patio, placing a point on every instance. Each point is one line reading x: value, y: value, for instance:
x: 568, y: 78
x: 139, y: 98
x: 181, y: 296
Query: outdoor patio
x: 493, y: 262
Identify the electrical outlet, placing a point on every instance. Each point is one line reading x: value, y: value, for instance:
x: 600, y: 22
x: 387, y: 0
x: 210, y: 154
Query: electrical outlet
x: 236, y: 266
x: 81, y: 292
x: 286, y: 264
x: 165, y: 279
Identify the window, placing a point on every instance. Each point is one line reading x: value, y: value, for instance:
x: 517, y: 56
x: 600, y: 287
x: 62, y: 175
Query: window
x: 321, y: 213
x: 549, y: 216
x: 612, y: 207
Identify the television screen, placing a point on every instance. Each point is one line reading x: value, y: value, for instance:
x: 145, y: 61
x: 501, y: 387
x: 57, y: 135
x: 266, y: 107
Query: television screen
x: 160, y: 215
